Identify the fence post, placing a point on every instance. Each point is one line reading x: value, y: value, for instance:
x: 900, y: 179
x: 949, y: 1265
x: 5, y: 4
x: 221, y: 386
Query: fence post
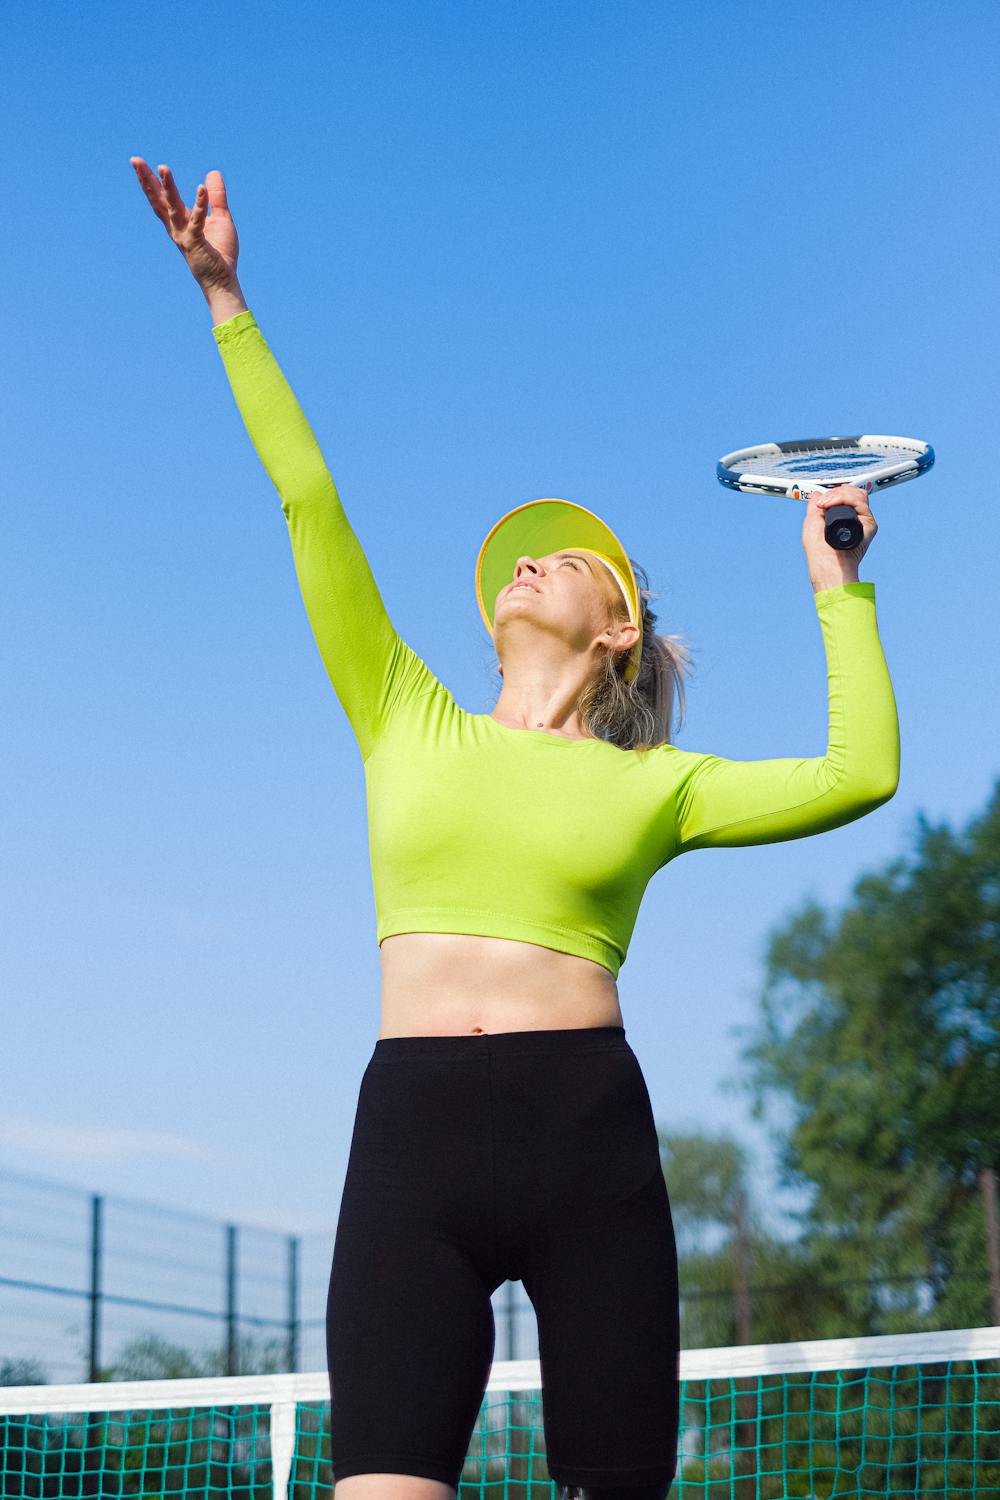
x: 232, y: 1360
x: 94, y: 1352
x: 293, y: 1303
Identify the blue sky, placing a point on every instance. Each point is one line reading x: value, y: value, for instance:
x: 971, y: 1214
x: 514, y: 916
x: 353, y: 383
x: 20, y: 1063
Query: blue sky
x: 500, y: 251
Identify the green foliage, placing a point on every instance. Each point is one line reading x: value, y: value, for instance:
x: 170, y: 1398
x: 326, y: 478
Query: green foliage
x: 880, y: 1028
x: 22, y: 1372
x: 150, y: 1357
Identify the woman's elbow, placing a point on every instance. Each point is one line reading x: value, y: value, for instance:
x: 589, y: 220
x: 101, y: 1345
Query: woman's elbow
x: 881, y: 790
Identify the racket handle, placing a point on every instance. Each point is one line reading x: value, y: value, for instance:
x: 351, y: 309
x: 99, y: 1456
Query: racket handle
x: 843, y: 529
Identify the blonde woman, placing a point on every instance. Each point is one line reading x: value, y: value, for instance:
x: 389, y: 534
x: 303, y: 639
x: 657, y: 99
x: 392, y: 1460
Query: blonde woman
x: 503, y: 1126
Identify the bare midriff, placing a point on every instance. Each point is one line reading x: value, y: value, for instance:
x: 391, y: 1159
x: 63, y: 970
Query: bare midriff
x: 450, y: 984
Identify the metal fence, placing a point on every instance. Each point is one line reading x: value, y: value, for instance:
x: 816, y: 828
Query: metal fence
x: 92, y: 1284
x: 95, y: 1287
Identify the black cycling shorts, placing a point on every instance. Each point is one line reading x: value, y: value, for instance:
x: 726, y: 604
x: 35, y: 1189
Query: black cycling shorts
x: 523, y: 1155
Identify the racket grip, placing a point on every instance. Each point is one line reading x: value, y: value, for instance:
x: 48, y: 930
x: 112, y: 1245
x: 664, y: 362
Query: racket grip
x: 843, y: 529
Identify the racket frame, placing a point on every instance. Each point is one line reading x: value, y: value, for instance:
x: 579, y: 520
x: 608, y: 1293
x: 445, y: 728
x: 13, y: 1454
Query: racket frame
x: 877, y: 476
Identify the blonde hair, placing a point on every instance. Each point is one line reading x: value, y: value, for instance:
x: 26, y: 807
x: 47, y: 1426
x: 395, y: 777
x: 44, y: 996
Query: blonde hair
x: 638, y: 715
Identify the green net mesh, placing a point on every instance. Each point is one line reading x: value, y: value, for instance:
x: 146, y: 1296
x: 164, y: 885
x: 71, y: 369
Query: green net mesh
x: 913, y: 1414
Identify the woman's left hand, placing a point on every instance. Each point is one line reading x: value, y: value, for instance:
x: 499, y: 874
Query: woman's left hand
x: 826, y: 561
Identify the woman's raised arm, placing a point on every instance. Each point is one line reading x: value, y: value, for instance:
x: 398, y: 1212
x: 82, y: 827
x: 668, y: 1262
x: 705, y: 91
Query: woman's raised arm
x: 371, y: 667
x: 726, y: 803
x: 731, y: 802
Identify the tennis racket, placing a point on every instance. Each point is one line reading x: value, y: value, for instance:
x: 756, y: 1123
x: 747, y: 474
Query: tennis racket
x: 795, y: 468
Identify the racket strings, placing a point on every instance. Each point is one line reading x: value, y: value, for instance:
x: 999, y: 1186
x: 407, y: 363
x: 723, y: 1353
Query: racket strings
x: 818, y: 461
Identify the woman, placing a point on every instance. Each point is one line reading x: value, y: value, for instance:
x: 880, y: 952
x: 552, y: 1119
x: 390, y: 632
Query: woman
x: 503, y: 1126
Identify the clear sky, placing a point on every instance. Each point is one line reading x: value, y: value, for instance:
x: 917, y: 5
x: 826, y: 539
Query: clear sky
x: 501, y: 251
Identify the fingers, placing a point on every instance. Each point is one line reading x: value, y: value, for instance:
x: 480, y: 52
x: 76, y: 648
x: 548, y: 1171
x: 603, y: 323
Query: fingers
x: 151, y: 186
x: 216, y: 190
x: 841, y: 494
x: 175, y: 203
x: 197, y: 217
x: 169, y: 206
x: 847, y: 494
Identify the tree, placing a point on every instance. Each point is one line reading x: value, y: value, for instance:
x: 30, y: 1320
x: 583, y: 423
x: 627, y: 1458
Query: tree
x: 150, y: 1357
x: 24, y: 1371
x: 881, y: 1029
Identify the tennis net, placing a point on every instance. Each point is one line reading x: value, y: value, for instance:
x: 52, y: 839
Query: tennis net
x: 908, y: 1414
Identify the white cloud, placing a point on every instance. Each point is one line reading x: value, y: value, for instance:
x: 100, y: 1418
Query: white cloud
x: 292, y: 1222
x: 94, y: 1143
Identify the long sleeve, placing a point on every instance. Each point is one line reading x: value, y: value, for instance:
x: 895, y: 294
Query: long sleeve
x: 726, y: 803
x: 371, y: 667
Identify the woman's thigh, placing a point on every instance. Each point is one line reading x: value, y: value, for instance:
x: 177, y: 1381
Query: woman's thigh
x: 409, y: 1326
x: 410, y: 1342
x: 606, y: 1299
x: 588, y: 1218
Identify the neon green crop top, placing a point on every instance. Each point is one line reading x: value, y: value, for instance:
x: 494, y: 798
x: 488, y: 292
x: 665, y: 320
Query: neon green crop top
x: 477, y: 827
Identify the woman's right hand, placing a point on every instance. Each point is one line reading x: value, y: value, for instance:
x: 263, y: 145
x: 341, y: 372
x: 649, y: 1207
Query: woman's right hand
x: 209, y: 244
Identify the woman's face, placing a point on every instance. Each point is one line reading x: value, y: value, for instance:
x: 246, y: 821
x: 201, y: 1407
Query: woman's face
x: 567, y: 592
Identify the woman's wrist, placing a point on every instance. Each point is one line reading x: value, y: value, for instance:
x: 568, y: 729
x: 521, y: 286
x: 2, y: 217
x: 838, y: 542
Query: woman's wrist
x: 833, y: 580
x: 225, y: 301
